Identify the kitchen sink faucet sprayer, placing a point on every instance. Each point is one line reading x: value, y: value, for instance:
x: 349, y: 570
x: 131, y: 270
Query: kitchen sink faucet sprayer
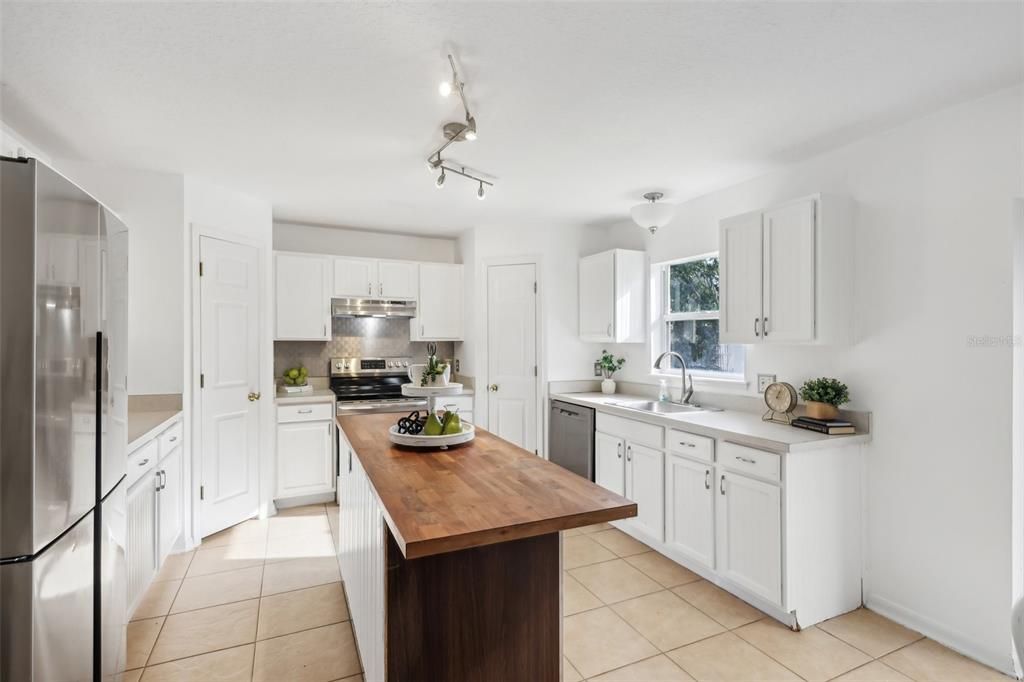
x: 684, y: 393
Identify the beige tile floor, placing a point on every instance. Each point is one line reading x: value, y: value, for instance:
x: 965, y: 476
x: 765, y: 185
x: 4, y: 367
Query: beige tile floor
x: 631, y: 615
x: 263, y: 601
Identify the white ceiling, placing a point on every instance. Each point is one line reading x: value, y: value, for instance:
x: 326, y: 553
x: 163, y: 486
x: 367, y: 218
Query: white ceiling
x: 329, y: 110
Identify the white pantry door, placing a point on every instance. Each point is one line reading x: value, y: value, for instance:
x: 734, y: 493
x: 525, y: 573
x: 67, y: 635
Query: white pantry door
x: 229, y: 338
x: 512, y: 353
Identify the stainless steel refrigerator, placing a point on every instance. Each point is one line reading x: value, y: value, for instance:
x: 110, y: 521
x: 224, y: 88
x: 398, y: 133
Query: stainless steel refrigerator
x: 63, y: 429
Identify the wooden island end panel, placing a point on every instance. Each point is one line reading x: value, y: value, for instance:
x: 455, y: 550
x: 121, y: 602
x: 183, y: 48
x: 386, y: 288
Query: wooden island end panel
x: 487, y: 614
x: 484, y: 492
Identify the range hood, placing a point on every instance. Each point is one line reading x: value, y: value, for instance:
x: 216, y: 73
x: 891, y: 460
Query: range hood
x: 372, y: 307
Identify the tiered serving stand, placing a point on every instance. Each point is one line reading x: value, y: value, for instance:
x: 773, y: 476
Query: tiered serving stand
x: 419, y: 440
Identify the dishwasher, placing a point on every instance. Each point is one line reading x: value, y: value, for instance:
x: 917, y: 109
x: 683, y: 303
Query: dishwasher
x: 571, y: 438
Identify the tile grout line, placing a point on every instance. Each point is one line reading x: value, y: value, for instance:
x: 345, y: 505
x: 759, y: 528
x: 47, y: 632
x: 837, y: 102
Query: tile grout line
x: 165, y: 617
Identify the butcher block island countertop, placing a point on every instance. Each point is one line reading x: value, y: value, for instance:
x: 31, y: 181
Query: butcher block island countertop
x: 452, y: 558
x: 480, y: 493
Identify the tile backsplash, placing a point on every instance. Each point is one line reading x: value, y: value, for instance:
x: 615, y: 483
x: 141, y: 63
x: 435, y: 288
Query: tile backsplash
x: 355, y: 337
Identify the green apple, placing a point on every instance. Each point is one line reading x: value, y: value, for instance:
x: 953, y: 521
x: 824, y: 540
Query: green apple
x: 293, y: 373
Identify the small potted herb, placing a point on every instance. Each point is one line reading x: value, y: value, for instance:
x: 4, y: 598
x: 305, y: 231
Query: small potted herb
x: 435, y: 372
x: 823, y: 397
x: 609, y: 365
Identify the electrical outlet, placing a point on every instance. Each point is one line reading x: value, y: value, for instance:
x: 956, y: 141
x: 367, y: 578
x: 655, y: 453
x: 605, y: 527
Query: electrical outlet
x: 458, y: 366
x: 597, y: 369
x: 763, y: 381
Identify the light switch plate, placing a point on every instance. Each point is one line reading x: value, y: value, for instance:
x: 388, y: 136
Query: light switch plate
x: 763, y: 381
x: 597, y: 370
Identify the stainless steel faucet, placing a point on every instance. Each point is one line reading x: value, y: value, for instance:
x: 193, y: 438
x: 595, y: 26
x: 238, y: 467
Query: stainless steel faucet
x: 684, y: 393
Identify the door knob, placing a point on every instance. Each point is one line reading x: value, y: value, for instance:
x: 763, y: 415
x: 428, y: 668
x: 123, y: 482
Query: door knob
x: 492, y: 387
x: 254, y: 397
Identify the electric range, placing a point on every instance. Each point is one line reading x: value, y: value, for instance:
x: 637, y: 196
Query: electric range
x: 372, y: 385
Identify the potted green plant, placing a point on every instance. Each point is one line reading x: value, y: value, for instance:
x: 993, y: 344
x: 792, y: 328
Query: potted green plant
x: 823, y: 397
x: 609, y: 365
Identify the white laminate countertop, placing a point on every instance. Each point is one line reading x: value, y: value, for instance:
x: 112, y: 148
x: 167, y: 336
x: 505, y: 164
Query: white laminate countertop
x: 317, y: 395
x: 744, y: 428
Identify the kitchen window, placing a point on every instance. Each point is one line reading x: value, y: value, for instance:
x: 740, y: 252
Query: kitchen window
x: 689, y: 319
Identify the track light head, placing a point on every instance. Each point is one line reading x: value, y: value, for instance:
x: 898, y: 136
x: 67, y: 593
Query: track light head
x: 471, y: 129
x: 480, y: 192
x: 440, y: 179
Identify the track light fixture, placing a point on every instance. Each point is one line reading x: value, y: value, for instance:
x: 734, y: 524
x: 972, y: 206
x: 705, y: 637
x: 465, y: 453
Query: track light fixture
x: 456, y: 131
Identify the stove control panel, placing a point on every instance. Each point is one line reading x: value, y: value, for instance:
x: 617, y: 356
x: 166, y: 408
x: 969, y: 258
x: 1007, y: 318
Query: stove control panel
x: 369, y: 365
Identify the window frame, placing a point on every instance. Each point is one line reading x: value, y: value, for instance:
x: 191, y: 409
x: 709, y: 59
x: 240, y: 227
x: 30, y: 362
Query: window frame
x: 663, y: 315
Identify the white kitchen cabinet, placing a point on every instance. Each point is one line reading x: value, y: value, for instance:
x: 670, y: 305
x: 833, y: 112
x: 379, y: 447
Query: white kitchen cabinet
x: 462, y: 403
x: 439, y: 310
x: 141, y: 541
x: 609, y: 466
x: 302, y: 299
x: 611, y: 296
x: 645, y: 485
x: 786, y: 273
x: 690, y: 509
x: 355, y: 278
x: 361, y: 557
x: 749, y: 529
x: 169, y: 501
x: 372, y: 278
x: 398, y: 280
x: 155, y: 506
x: 305, y: 449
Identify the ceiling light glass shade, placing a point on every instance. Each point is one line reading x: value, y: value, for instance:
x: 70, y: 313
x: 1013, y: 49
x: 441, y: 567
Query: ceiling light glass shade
x: 652, y: 215
x: 445, y: 88
x: 480, y: 192
x: 440, y: 180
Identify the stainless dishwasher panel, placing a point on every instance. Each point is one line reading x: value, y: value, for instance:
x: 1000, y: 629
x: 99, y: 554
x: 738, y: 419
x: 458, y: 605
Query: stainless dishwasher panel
x: 571, y: 438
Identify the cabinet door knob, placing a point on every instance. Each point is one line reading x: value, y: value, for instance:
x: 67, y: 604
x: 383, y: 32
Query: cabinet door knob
x: 253, y: 397
x: 493, y: 388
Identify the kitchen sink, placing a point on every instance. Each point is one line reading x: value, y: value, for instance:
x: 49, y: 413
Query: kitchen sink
x: 662, y: 407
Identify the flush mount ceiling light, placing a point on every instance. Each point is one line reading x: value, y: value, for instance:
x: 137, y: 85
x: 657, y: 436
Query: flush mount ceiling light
x: 456, y: 131
x: 652, y: 215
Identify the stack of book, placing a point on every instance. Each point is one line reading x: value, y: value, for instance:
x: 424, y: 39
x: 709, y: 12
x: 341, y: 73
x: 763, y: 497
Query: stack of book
x: 830, y: 427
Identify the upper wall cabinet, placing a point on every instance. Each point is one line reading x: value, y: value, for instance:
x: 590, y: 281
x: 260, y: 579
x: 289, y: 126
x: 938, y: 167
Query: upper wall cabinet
x: 302, y: 299
x: 611, y: 295
x: 370, y: 278
x: 439, y: 310
x: 787, y: 273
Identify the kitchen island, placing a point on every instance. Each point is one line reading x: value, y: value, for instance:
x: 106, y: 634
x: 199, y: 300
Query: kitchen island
x: 451, y: 559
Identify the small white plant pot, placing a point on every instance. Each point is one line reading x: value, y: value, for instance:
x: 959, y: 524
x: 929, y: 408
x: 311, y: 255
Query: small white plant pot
x: 608, y: 386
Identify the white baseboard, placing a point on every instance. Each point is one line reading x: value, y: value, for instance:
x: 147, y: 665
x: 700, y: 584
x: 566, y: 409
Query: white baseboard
x: 988, y: 653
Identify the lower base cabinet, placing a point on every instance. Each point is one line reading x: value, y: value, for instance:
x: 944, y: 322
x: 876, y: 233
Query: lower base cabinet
x: 361, y: 558
x: 781, y: 531
x: 690, y: 509
x: 305, y: 449
x: 750, y: 534
x: 155, y: 507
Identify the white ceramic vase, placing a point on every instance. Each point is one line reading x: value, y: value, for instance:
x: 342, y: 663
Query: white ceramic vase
x: 608, y: 386
x: 416, y: 375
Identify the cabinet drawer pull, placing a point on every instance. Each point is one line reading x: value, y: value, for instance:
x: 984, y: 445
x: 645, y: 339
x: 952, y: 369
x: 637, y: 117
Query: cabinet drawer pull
x: 689, y: 445
x: 172, y: 439
x: 308, y: 410
x: 144, y: 462
x: 764, y: 327
x: 756, y: 320
x: 746, y: 459
x: 618, y: 450
x: 721, y: 485
x: 629, y: 453
x: 707, y: 479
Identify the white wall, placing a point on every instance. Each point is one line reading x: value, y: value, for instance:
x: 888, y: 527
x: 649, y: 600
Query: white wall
x: 152, y: 205
x: 933, y: 268
x: 231, y: 214
x: 12, y: 142
x: 343, y: 241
